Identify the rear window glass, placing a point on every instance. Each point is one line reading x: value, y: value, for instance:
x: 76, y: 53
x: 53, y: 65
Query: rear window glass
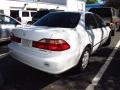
x: 59, y: 19
x: 103, y: 12
x: 39, y: 14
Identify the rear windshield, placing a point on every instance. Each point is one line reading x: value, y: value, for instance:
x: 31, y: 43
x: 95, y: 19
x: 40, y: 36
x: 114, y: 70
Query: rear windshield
x: 103, y: 12
x: 39, y: 14
x: 59, y: 19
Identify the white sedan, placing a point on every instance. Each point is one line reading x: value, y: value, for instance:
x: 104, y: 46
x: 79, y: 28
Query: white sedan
x: 60, y: 41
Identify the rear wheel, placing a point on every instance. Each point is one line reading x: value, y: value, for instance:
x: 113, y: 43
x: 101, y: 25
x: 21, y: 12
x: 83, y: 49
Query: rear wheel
x: 84, y: 59
x: 81, y: 66
x: 108, y: 41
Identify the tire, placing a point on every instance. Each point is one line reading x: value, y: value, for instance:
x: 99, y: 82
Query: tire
x: 113, y: 32
x: 108, y: 41
x: 84, y: 60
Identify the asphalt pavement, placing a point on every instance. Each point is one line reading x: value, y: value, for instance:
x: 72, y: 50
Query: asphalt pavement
x: 15, y: 75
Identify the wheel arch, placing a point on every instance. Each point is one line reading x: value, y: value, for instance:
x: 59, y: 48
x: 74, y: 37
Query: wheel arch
x: 90, y: 47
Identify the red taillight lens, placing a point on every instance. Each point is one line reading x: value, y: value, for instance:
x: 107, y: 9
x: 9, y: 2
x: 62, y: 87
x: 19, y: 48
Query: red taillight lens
x: 15, y: 39
x: 51, y: 44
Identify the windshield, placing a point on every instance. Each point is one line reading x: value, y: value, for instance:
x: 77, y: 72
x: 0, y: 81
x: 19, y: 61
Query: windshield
x: 103, y: 12
x: 59, y: 19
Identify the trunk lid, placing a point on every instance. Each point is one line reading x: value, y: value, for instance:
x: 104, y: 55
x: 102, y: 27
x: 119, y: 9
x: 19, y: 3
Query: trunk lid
x: 34, y: 33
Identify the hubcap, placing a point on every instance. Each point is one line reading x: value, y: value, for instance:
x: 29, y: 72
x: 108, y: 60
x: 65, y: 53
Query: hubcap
x: 85, y: 60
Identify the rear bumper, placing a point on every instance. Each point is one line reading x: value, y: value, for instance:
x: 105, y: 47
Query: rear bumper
x: 50, y: 64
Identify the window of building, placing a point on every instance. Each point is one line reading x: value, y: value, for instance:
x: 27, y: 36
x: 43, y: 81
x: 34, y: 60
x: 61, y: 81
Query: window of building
x: 33, y: 13
x: 25, y: 14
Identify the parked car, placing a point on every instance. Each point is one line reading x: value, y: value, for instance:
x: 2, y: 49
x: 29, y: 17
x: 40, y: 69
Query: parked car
x: 110, y: 17
x: 23, y: 15
x: 60, y: 41
x: 40, y: 14
x: 7, y: 23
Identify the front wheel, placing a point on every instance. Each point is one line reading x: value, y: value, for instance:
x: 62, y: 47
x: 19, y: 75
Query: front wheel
x: 84, y: 59
x: 113, y: 29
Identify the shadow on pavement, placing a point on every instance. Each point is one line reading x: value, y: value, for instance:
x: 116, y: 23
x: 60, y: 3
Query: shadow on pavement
x: 18, y: 76
x: 103, y: 52
x: 111, y: 78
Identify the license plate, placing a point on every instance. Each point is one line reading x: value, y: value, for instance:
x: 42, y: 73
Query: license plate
x: 26, y: 43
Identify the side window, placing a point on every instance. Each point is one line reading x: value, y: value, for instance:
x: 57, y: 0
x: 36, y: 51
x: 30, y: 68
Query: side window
x: 2, y: 19
x: 12, y: 21
x: 99, y: 21
x: 90, y: 22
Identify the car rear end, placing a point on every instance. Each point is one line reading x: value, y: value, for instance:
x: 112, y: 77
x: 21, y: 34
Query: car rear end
x: 51, y: 53
x: 50, y: 49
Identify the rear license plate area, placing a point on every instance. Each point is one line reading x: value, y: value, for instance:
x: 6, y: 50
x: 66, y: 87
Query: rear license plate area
x: 26, y: 43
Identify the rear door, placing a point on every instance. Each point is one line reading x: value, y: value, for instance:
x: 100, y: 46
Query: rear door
x: 93, y: 30
x: 101, y: 24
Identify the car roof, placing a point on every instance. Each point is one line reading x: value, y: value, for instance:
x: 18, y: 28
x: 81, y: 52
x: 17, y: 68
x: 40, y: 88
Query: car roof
x: 81, y: 12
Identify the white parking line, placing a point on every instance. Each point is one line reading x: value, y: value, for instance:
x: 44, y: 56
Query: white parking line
x: 3, y: 55
x: 103, y: 69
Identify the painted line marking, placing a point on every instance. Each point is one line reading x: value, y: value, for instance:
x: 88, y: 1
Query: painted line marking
x: 99, y: 75
x: 3, y: 55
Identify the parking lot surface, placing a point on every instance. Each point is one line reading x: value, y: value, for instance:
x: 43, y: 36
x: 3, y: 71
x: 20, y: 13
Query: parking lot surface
x: 15, y: 75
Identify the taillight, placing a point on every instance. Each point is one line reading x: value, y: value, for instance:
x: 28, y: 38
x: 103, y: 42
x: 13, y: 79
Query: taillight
x: 15, y: 39
x: 51, y: 44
